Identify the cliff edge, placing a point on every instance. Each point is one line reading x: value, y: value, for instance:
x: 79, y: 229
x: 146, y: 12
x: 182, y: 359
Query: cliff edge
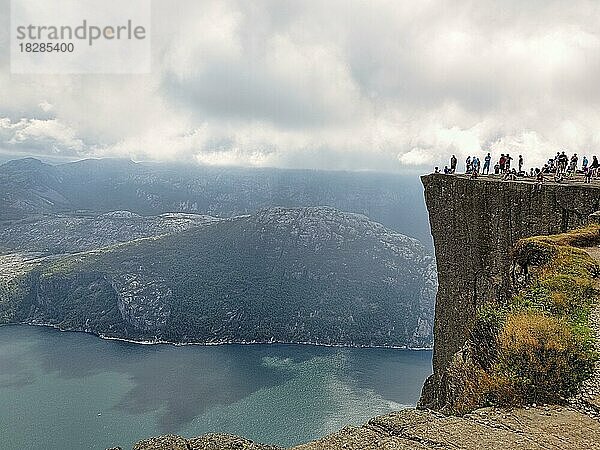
x: 475, y: 224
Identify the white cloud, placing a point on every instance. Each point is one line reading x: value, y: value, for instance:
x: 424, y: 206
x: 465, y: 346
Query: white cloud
x: 50, y: 135
x: 338, y: 84
x: 45, y: 106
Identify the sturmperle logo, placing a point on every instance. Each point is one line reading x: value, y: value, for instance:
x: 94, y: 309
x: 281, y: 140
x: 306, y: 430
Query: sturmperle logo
x: 80, y: 36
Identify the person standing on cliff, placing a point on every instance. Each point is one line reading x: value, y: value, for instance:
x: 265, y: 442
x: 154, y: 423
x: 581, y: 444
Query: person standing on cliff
x: 508, y: 160
x: 584, y: 163
x: 520, y: 164
x: 486, y: 164
x: 573, y: 164
x: 594, y: 166
x: 502, y: 162
x: 587, y: 172
x: 563, y: 159
x: 468, y: 165
x: 557, y: 161
x: 453, y: 162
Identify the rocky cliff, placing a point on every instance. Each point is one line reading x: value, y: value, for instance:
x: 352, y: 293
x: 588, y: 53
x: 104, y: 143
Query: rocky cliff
x: 475, y: 224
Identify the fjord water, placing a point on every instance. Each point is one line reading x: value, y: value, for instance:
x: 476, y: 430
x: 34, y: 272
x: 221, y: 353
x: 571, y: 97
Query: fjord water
x: 74, y: 391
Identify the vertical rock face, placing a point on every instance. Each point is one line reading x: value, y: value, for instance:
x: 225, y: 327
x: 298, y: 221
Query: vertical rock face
x: 474, y: 224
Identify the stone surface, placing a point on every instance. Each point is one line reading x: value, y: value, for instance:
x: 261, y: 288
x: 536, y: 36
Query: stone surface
x: 474, y: 224
x: 493, y: 429
x: 225, y: 442
x: 205, y: 442
x: 167, y: 442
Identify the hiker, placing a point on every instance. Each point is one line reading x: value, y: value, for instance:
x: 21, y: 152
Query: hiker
x: 520, y: 163
x: 563, y: 160
x: 587, y: 173
x: 496, y: 168
x: 453, y: 162
x: 446, y: 170
x: 468, y: 164
x: 594, y: 166
x: 486, y: 164
x: 539, y: 175
x: 436, y: 170
x: 510, y: 175
x: 584, y: 163
x: 508, y: 160
x: 573, y: 164
x: 502, y: 162
x: 558, y: 175
x: 556, y: 162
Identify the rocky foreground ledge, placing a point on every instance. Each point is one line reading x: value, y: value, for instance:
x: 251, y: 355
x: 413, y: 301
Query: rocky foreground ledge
x: 545, y: 427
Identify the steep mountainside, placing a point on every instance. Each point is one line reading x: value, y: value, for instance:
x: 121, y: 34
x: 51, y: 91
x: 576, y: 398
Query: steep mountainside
x: 303, y: 274
x: 28, y: 186
x: 475, y: 225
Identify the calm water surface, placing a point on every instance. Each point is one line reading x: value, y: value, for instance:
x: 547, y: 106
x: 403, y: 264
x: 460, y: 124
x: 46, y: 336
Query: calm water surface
x: 73, y: 391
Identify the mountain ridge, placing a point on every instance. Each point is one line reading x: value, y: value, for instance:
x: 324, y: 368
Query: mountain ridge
x: 32, y: 187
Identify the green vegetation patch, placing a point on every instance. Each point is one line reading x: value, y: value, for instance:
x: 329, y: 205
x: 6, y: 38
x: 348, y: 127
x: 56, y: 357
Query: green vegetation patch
x: 15, y: 297
x: 539, y: 347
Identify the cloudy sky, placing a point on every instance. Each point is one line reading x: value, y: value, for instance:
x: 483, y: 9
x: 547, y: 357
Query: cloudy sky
x: 373, y: 84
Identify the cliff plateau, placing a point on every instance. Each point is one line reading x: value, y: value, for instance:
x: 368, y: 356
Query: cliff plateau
x: 475, y: 225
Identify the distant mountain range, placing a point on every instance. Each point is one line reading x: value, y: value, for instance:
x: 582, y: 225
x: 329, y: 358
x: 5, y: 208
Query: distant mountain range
x: 310, y: 274
x: 29, y: 186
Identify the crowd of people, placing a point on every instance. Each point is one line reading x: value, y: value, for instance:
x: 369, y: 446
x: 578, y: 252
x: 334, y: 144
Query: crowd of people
x: 558, y: 168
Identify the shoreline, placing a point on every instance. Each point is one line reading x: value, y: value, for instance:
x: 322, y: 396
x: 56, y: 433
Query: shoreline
x: 211, y: 344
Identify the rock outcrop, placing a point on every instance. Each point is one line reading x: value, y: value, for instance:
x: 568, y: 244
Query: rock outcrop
x: 206, y: 442
x: 474, y: 224
x: 495, y: 429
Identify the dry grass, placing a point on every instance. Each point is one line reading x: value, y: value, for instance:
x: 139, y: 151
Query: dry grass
x: 581, y: 237
x: 557, y: 249
x: 540, y: 344
x: 469, y: 386
x: 540, y: 359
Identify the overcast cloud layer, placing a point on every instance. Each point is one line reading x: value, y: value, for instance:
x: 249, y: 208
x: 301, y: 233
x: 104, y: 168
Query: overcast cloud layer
x: 375, y: 84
